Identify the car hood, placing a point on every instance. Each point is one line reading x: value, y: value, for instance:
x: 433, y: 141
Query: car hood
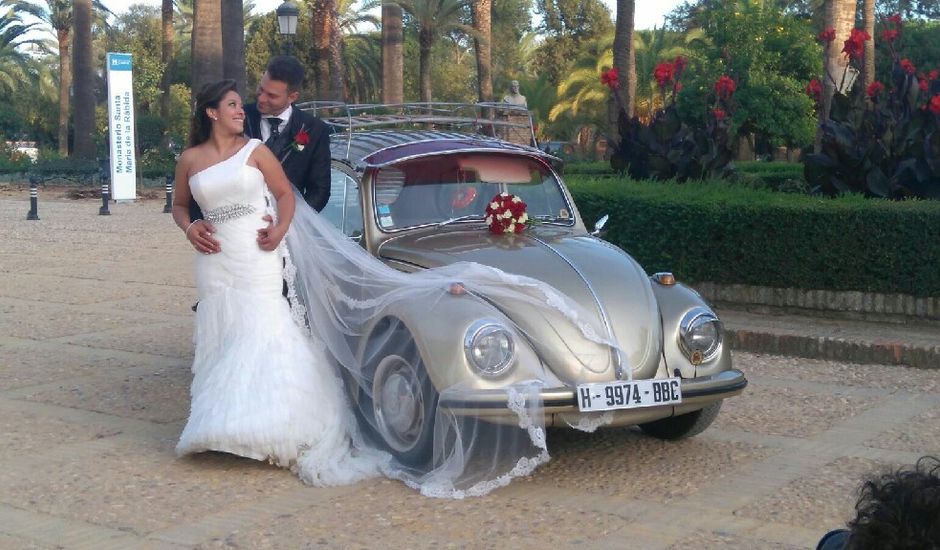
x: 605, y: 281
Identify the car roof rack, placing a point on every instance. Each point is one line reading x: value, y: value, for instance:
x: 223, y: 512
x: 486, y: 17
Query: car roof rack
x: 484, y: 118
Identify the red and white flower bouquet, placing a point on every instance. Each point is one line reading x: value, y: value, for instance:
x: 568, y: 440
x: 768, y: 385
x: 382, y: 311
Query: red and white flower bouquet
x: 506, y: 213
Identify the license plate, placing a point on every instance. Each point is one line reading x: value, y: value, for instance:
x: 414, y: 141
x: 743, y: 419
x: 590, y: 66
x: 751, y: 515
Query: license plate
x: 628, y: 394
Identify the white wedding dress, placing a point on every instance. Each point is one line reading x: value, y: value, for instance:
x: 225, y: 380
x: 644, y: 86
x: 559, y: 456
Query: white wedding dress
x: 262, y: 387
x: 267, y: 381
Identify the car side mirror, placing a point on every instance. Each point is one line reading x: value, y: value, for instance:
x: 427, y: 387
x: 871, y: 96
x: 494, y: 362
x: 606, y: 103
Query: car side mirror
x: 599, y: 225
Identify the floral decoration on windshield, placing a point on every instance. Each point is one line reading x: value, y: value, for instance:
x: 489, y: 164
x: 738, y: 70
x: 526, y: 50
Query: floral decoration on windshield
x: 506, y: 213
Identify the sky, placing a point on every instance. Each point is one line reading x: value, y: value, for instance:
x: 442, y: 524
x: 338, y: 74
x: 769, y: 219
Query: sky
x: 648, y: 12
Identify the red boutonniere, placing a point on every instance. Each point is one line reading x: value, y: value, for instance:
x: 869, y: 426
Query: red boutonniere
x: 301, y: 139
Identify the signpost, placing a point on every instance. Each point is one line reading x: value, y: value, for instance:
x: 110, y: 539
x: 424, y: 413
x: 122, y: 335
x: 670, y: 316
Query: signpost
x: 121, y: 126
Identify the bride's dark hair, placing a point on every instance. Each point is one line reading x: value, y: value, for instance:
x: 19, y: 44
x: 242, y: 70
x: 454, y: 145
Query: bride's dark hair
x: 208, y: 98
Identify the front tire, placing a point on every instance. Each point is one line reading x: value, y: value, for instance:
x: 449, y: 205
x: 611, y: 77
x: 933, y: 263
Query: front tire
x: 684, y: 425
x: 401, y: 406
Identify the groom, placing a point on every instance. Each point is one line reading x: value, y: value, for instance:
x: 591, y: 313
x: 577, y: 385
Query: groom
x: 300, y: 140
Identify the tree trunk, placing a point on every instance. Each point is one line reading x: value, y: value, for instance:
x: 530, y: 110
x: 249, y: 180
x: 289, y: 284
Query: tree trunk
x: 233, y: 43
x: 625, y: 62
x: 166, y: 18
x: 425, y: 42
x: 393, y: 80
x: 482, y: 22
x: 84, y: 81
x: 65, y: 88
x: 337, y: 73
x: 207, y: 44
x: 840, y: 15
x: 321, y: 27
x: 868, y: 72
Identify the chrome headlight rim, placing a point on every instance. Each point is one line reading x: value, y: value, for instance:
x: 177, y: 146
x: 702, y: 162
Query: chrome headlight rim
x: 694, y: 318
x: 485, y: 328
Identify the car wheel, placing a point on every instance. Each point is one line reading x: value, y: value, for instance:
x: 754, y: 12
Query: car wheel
x: 402, y: 405
x: 684, y: 425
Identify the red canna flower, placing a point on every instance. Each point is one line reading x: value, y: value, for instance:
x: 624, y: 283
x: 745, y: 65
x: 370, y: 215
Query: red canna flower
x: 664, y: 73
x: 934, y: 105
x: 933, y: 75
x: 719, y: 114
x: 827, y: 35
x: 890, y: 35
x: 611, y: 78
x: 896, y: 18
x: 875, y: 89
x: 680, y: 63
x: 923, y: 85
x: 815, y: 90
x: 907, y: 66
x: 854, y: 47
x: 725, y: 87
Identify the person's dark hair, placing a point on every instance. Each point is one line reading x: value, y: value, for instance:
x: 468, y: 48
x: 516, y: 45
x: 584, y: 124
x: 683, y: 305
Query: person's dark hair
x: 208, y: 98
x: 288, y: 69
x: 899, y: 510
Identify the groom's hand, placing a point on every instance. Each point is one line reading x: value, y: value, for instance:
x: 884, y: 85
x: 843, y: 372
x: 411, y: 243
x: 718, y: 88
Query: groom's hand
x: 267, y: 238
x: 200, y: 235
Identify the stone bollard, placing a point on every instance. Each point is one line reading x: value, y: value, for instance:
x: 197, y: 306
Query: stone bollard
x: 104, y: 172
x: 33, y: 213
x: 169, y: 194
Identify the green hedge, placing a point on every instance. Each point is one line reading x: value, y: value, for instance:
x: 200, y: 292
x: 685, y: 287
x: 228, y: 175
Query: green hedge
x: 717, y: 232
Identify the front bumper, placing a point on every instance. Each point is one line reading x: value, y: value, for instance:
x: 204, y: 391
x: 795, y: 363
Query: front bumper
x: 560, y: 404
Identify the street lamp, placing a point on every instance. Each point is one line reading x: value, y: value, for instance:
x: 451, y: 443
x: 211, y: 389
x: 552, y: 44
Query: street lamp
x: 287, y: 14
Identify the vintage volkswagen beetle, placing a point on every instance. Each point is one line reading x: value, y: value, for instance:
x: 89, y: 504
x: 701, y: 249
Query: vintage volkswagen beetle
x: 415, y: 199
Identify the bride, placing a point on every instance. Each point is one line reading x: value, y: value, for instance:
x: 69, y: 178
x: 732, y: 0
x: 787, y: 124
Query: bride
x: 272, y: 377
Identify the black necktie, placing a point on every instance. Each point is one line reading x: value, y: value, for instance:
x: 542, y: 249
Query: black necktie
x: 275, y: 124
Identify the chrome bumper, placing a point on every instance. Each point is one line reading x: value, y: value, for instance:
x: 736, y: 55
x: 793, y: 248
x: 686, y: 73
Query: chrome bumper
x: 696, y: 393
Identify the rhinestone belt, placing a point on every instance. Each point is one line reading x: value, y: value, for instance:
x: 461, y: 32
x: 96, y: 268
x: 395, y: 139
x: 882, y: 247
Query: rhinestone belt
x: 228, y: 212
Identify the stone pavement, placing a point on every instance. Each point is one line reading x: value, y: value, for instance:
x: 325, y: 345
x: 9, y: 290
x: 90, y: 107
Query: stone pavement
x: 95, y: 347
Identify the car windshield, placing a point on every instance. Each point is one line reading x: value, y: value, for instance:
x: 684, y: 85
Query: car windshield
x: 456, y: 188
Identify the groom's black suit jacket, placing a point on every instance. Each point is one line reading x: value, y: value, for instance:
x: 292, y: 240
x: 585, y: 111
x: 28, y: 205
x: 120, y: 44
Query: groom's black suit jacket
x: 308, y: 170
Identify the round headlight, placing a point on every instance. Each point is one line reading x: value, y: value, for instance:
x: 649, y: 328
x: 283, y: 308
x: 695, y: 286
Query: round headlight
x: 700, y: 335
x: 489, y: 347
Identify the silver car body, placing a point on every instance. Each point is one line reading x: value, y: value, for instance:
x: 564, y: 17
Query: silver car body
x: 643, y: 313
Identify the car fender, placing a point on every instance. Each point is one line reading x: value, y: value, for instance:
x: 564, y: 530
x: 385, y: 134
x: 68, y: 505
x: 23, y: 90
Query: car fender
x: 674, y: 302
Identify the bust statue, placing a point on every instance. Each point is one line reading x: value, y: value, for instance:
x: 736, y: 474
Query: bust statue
x: 514, y: 97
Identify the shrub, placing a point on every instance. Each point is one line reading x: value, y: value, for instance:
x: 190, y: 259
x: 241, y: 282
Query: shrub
x: 883, y: 142
x: 668, y: 148
x: 719, y: 232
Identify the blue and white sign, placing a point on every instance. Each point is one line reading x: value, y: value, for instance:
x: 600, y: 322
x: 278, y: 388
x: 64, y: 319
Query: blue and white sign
x: 121, y: 126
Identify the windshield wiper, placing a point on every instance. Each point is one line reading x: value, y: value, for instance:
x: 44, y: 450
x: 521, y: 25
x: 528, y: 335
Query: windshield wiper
x: 551, y: 219
x: 460, y: 219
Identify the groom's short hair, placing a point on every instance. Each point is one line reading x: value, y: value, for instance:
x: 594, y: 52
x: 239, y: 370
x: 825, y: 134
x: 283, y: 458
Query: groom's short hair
x: 288, y: 69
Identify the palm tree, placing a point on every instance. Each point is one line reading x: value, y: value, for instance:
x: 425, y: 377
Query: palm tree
x: 482, y: 23
x: 839, y: 15
x: 869, y: 20
x: 322, y: 16
x: 581, y: 95
x: 166, y: 19
x: 57, y: 14
x: 393, y: 63
x: 433, y: 19
x: 233, y: 42
x: 360, y: 55
x: 84, y: 81
x: 206, y: 43
x: 15, y: 64
x: 625, y: 63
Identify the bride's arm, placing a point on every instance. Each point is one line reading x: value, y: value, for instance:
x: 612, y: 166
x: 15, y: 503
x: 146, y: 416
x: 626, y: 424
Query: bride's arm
x: 280, y: 187
x: 198, y: 232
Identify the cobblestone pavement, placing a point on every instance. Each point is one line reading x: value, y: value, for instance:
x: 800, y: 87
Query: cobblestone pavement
x: 95, y: 347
